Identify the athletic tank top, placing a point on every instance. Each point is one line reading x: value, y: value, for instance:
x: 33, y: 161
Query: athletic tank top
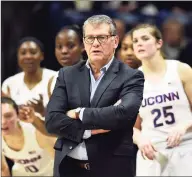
x: 31, y: 160
x: 19, y: 91
x: 164, y: 105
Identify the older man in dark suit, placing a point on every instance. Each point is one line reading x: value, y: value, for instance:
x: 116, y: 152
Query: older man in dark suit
x: 93, y: 108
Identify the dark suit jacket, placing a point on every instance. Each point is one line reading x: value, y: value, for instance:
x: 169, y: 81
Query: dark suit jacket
x: 108, y: 153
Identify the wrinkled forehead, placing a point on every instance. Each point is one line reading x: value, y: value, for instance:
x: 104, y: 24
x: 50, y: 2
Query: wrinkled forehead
x: 97, y: 29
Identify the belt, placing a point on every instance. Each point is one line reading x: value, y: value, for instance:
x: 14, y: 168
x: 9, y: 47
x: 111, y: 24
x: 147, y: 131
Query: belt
x: 81, y: 163
x: 84, y: 165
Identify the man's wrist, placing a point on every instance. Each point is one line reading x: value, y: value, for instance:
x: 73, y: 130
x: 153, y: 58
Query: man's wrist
x: 77, y: 112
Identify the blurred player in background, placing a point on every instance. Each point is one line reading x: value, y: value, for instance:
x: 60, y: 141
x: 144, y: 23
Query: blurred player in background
x: 68, y: 49
x: 31, y: 151
x: 28, y: 86
x: 127, y: 54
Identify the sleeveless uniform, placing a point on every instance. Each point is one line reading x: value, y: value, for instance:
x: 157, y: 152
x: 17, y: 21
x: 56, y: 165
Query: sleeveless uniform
x: 31, y: 160
x: 53, y: 82
x: 164, y: 106
x: 19, y: 91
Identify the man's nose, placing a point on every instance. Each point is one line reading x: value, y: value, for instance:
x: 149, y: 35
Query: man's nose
x: 96, y: 42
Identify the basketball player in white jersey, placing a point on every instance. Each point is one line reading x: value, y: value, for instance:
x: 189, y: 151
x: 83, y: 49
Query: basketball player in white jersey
x: 29, y: 86
x: 163, y: 130
x: 31, y: 151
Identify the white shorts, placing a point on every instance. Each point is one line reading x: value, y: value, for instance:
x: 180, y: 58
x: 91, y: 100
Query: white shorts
x: 169, y: 162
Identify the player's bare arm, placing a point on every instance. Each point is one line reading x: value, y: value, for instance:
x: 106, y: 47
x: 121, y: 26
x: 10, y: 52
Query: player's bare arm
x: 28, y: 115
x: 143, y: 143
x: 185, y: 73
x: 4, y: 167
x: 46, y: 143
x: 175, y: 136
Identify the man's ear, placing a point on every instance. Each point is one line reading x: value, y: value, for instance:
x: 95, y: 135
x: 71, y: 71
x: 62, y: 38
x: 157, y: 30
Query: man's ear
x: 116, y: 39
x: 82, y: 48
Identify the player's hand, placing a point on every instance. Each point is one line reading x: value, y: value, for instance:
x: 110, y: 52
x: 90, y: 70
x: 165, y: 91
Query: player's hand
x: 37, y: 104
x: 27, y: 114
x: 175, y: 135
x: 98, y: 131
x: 146, y: 148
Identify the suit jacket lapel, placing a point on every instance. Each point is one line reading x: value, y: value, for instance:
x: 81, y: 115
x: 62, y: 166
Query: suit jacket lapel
x: 83, y: 80
x: 105, y: 81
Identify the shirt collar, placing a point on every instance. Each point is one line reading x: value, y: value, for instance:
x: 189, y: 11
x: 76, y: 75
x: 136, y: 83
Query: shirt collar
x: 104, y: 68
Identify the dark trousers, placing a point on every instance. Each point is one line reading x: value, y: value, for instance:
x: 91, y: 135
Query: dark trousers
x: 73, y: 169
x: 70, y: 168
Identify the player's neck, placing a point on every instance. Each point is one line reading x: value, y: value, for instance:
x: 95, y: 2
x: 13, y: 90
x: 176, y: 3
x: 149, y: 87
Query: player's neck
x: 154, y: 65
x: 33, y: 77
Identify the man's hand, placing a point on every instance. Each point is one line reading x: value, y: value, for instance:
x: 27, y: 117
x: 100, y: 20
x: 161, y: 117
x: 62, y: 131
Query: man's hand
x: 37, y: 104
x: 98, y: 131
x: 71, y: 114
x: 27, y: 114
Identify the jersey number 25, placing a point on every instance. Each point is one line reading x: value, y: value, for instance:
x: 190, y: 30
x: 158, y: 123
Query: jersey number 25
x: 166, y: 113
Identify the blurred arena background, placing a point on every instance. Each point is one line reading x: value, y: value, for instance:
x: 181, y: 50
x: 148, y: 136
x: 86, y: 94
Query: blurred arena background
x: 43, y: 19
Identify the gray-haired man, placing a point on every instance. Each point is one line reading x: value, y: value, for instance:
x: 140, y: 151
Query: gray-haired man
x: 93, y: 108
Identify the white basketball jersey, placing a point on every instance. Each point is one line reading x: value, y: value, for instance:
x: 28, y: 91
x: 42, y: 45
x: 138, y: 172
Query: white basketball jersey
x: 31, y: 160
x: 54, y: 82
x: 164, y: 105
x: 19, y: 91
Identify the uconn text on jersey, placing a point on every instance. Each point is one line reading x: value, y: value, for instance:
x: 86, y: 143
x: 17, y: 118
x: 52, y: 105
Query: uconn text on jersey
x: 172, y: 96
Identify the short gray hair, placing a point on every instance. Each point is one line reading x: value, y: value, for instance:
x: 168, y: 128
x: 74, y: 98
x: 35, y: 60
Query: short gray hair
x: 101, y: 19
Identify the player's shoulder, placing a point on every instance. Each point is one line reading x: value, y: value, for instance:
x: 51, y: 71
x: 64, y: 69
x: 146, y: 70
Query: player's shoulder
x: 183, y: 66
x: 184, y: 71
x: 15, y: 78
x: 49, y: 71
